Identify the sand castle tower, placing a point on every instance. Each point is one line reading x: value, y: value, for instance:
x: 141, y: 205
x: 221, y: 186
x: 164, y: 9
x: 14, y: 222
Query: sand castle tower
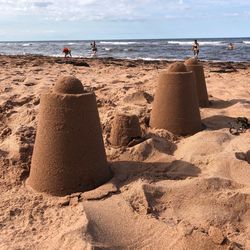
x: 124, y: 129
x: 69, y: 153
x: 175, y: 106
x: 192, y: 64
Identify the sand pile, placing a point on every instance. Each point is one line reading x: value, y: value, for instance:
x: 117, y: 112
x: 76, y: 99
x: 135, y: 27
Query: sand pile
x: 168, y: 191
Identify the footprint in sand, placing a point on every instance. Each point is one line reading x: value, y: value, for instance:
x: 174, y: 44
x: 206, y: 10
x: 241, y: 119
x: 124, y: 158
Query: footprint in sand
x: 5, y: 133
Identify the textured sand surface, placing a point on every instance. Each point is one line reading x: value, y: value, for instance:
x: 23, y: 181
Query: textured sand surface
x: 168, y: 192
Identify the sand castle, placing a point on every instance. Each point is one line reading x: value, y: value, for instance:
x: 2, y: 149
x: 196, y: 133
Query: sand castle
x: 124, y: 129
x: 175, y: 106
x: 69, y: 153
x: 192, y: 64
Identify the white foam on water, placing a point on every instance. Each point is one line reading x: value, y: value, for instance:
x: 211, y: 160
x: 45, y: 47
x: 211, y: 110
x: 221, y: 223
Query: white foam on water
x: 215, y: 43
x: 119, y: 43
x: 26, y: 44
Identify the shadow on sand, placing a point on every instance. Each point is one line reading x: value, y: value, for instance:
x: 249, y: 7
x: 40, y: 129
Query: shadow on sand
x: 218, y: 122
x: 221, y: 104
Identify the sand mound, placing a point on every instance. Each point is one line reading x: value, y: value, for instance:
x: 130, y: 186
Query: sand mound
x: 202, y: 144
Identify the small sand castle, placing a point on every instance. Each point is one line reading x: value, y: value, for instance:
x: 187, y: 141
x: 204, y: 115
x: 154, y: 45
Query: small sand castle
x: 125, y: 128
x: 192, y: 64
x: 175, y: 106
x: 69, y: 153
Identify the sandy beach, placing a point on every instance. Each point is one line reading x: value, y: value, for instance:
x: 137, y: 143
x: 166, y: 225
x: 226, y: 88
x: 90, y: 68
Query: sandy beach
x: 168, y: 191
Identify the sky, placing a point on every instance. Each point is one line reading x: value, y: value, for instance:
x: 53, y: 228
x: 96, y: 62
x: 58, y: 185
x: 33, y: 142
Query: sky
x: 31, y: 20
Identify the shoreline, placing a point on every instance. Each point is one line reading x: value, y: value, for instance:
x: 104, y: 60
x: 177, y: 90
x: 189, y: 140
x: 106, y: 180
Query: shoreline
x: 110, y: 59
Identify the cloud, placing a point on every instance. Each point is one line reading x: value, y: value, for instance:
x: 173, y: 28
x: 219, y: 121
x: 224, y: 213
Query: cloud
x: 42, y: 4
x: 76, y: 9
x: 235, y: 14
x: 118, y: 10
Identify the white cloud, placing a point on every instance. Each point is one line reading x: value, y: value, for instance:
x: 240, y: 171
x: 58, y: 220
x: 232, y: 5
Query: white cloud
x: 235, y: 14
x: 77, y: 9
x: 111, y: 9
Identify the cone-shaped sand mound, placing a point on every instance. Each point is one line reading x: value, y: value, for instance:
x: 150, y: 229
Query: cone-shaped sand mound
x: 192, y: 64
x: 175, y: 106
x: 69, y: 153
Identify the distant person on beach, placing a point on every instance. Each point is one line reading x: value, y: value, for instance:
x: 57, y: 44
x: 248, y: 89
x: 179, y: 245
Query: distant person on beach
x: 94, y: 48
x: 230, y: 46
x: 196, y: 48
x: 67, y: 52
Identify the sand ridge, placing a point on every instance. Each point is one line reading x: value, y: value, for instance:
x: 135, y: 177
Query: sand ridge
x: 168, y: 192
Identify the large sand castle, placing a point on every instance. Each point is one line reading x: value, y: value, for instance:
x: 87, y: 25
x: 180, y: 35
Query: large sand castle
x: 69, y: 153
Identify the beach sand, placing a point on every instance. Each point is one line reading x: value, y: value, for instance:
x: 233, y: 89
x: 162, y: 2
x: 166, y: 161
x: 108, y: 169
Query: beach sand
x: 167, y: 192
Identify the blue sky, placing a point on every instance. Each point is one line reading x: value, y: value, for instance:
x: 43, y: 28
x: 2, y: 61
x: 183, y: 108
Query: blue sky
x: 122, y: 19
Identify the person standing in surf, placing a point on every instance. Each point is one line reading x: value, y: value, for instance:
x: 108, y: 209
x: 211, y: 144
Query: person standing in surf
x: 94, y: 48
x: 196, y: 48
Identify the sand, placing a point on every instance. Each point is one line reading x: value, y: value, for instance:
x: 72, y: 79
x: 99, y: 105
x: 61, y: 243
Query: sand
x: 168, y: 192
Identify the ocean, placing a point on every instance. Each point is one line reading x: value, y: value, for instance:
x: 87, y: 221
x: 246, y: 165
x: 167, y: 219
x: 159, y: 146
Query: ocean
x: 211, y: 49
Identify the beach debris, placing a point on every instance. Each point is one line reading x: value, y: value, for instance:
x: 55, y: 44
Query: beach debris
x: 236, y: 246
x: 75, y: 62
x: 175, y: 107
x: 125, y: 129
x: 240, y: 125
x: 194, y: 65
x: 224, y: 68
x: 241, y: 156
x: 248, y: 156
x: 69, y: 154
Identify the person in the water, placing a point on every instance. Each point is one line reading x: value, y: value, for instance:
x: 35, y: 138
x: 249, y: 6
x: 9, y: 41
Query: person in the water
x: 230, y: 46
x: 67, y: 52
x: 196, y: 48
x: 94, y: 48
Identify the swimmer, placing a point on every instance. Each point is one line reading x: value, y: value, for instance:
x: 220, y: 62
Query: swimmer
x: 230, y: 46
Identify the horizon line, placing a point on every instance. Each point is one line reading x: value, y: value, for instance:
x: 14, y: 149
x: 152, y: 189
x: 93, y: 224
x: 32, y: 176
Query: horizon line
x: 123, y: 39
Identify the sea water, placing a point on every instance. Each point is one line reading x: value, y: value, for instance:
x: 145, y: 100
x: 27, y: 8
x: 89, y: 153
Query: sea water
x: 211, y: 49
